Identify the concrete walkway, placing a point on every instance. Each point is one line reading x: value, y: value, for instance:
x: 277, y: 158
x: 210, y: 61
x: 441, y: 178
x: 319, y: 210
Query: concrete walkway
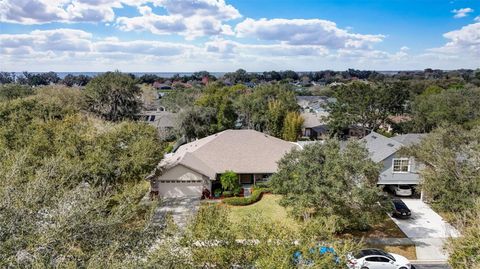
x: 427, y: 230
x: 181, y: 209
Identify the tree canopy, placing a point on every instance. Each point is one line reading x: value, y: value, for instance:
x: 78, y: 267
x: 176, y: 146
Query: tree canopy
x: 71, y: 184
x: 325, y: 180
x: 365, y: 104
x: 114, y: 96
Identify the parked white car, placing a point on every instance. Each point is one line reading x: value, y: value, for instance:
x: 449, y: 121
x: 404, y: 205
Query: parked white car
x: 377, y: 259
x: 401, y: 190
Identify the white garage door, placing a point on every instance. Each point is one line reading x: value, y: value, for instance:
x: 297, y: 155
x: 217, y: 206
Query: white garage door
x: 180, y: 188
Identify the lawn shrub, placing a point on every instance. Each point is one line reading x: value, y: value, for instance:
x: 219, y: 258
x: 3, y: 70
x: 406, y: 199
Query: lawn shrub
x: 242, y: 201
x: 262, y: 184
x: 227, y: 194
x: 237, y: 191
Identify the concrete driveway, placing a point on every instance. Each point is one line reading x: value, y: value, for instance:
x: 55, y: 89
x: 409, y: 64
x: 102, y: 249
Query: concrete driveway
x: 182, y: 210
x: 427, y: 230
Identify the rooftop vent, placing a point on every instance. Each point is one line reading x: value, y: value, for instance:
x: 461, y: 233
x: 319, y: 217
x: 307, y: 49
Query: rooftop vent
x: 390, y: 145
x: 374, y: 137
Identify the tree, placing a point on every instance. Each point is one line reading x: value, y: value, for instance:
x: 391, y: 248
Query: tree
x: 229, y: 181
x: 275, y: 117
x: 196, y: 122
x: 254, y: 112
x: 72, y: 80
x: 365, y: 104
x: 452, y: 106
x: 113, y: 96
x: 465, y: 250
x: 211, y: 240
x: 72, y: 185
x: 450, y: 178
x: 221, y: 99
x: 177, y: 100
x: 6, y: 77
x: 13, y: 91
x: 322, y: 180
x: 292, y: 126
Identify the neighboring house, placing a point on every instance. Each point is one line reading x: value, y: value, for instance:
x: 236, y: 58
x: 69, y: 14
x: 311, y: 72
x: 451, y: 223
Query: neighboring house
x: 162, y: 120
x: 313, y: 126
x: 315, y: 104
x: 397, y: 169
x: 162, y: 86
x: 314, y: 113
x: 198, y: 165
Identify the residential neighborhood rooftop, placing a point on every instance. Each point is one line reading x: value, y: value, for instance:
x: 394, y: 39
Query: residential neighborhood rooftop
x: 242, y: 151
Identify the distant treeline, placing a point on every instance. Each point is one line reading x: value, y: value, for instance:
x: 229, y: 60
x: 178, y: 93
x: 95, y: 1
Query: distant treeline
x: 242, y: 76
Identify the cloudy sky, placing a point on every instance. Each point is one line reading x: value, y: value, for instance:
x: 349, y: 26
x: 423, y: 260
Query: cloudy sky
x: 224, y: 35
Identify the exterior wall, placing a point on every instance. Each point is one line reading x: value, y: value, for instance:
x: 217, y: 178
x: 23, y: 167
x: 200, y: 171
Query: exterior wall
x: 180, y: 181
x: 180, y: 172
x: 387, y: 176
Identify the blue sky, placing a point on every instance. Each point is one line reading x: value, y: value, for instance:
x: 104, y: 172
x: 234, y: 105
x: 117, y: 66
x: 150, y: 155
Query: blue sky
x: 218, y: 35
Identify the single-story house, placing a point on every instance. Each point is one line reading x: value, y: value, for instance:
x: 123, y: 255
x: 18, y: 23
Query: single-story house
x: 198, y: 165
x: 313, y: 126
x: 313, y: 103
x: 162, y: 86
x: 397, y: 169
x: 160, y: 119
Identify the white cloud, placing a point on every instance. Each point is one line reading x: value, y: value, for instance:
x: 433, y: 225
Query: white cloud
x: 477, y: 19
x: 41, y: 49
x: 305, y: 32
x: 462, y: 42
x: 58, y: 40
x: 185, y: 17
x: 46, y: 11
x: 463, y: 12
x: 229, y: 48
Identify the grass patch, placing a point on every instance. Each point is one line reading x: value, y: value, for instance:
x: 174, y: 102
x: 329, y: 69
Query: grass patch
x: 384, y: 229
x: 267, y: 208
x: 406, y: 251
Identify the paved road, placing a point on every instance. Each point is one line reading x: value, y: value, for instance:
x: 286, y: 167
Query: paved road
x: 431, y: 266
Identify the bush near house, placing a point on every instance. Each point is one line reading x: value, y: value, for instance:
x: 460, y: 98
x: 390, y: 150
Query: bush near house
x: 242, y: 201
x: 229, y: 181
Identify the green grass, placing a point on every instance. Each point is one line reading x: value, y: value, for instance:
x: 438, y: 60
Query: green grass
x: 267, y: 208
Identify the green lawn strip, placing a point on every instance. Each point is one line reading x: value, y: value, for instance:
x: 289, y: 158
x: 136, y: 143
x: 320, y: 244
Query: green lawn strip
x: 269, y: 208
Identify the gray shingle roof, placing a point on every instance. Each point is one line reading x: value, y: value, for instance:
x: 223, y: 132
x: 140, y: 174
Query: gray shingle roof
x: 242, y: 151
x: 409, y: 139
x: 380, y: 147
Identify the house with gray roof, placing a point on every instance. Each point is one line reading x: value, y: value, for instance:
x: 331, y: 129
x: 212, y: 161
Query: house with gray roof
x: 397, y: 169
x: 198, y: 165
x: 314, y: 127
x: 162, y: 120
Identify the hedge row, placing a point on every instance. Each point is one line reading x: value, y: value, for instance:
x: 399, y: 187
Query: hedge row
x: 255, y: 197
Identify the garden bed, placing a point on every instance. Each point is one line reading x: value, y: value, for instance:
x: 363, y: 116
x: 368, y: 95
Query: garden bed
x: 243, y: 201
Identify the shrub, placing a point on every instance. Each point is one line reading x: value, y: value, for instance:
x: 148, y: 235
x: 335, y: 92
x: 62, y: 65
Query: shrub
x: 242, y: 201
x: 217, y: 192
x: 237, y: 191
x: 262, y: 184
x: 229, y: 180
x: 227, y: 194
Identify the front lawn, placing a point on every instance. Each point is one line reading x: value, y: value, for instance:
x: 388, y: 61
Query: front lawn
x: 267, y: 208
x: 384, y: 229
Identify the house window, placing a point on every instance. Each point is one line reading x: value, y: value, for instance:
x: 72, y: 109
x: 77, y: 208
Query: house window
x: 401, y: 165
x: 152, y: 118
